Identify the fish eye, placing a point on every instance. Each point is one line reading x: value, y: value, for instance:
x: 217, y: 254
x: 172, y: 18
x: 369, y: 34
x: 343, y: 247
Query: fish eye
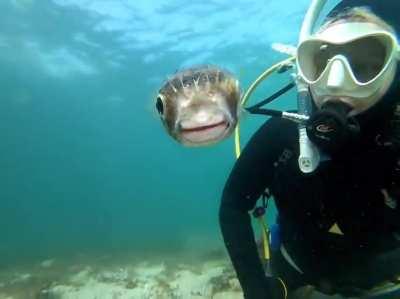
x: 160, y: 105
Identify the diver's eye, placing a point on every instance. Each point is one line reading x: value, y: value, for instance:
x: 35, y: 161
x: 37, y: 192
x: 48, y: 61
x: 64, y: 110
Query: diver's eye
x: 160, y: 105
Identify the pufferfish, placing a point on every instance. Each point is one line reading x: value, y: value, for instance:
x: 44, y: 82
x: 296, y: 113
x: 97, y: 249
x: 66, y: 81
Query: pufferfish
x: 199, y: 106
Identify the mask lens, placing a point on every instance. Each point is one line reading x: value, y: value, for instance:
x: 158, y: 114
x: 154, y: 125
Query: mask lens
x: 367, y: 56
x: 322, y: 57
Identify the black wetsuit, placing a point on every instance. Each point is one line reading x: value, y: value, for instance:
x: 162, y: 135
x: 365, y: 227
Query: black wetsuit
x: 345, y: 190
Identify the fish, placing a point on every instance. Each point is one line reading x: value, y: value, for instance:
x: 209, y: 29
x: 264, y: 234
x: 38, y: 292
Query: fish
x: 199, y: 106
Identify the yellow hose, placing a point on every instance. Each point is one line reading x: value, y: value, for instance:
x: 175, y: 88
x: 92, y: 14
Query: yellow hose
x: 246, y: 96
x: 285, y: 290
x: 264, y: 234
x: 250, y: 91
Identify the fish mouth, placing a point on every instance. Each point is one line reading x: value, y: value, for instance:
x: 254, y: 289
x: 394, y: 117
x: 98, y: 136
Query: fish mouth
x: 205, y: 134
x: 205, y: 127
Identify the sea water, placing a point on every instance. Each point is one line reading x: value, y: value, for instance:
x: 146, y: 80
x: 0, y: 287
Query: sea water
x: 96, y: 201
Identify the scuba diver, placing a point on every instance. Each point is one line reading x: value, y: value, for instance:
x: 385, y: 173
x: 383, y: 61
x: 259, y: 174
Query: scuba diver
x: 338, y: 224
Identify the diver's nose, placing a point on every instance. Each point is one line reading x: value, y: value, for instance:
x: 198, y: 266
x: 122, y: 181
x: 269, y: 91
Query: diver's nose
x: 336, y: 75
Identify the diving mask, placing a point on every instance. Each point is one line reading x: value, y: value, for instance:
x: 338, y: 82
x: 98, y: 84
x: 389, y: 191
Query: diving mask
x: 354, y: 62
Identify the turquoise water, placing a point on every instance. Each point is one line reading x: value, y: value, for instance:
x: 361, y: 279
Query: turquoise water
x: 86, y: 164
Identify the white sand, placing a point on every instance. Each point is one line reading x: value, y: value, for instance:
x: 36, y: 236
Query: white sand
x: 147, y: 281
x: 123, y: 280
x: 126, y: 278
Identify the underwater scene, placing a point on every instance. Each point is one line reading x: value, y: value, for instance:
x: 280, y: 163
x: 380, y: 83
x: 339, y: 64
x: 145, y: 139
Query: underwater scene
x: 96, y: 199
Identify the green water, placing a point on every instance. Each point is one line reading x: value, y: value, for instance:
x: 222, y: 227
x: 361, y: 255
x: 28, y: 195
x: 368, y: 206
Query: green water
x: 86, y: 167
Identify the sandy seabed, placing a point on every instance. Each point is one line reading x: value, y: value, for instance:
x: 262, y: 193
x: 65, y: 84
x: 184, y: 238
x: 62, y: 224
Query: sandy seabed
x: 109, y: 277
x: 122, y: 276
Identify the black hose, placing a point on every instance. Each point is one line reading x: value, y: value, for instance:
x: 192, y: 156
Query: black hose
x: 274, y: 96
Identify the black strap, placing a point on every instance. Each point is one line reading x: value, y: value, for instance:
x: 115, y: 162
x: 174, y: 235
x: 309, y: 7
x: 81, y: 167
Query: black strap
x: 263, y: 111
x: 273, y: 97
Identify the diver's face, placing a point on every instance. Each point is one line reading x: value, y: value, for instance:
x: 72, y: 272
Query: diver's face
x: 357, y: 71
